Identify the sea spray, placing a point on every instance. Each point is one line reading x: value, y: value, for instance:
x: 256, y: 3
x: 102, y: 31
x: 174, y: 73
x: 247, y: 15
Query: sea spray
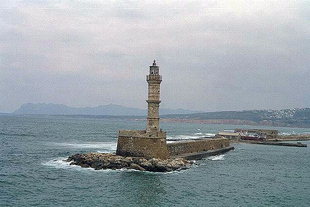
x: 190, y: 136
x: 88, y: 145
x: 217, y: 157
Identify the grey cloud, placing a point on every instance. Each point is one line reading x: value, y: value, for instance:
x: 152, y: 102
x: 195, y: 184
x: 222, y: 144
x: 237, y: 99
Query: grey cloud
x: 214, y: 55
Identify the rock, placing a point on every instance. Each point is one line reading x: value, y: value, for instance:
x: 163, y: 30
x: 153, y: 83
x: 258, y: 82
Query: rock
x: 146, y: 164
x: 128, y: 159
x: 111, y: 161
x: 136, y: 167
x: 84, y: 165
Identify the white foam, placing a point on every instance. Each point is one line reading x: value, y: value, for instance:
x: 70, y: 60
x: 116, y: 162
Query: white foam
x: 110, y: 146
x: 198, y: 135
x: 61, y: 163
x: 103, y: 151
x: 217, y: 157
x: 209, y: 134
x: 287, y: 133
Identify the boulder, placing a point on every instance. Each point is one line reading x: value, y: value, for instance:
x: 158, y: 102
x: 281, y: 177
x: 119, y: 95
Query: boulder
x: 136, y: 167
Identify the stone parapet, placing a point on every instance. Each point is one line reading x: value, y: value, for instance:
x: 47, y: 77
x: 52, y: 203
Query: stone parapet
x: 142, y: 134
x: 156, y: 78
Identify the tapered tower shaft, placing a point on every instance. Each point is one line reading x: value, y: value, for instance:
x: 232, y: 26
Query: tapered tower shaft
x: 153, y: 80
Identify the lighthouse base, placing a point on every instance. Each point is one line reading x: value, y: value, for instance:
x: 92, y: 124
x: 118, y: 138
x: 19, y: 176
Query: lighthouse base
x: 140, y: 143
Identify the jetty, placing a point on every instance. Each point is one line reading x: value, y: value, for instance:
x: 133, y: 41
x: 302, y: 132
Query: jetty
x: 204, y: 154
x: 276, y: 143
x: 264, y: 137
x: 294, y: 137
x: 298, y: 144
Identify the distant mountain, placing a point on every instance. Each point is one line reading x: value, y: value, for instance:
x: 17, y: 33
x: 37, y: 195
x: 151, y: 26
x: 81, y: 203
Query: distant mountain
x: 110, y: 110
x: 164, y: 111
x: 284, y: 117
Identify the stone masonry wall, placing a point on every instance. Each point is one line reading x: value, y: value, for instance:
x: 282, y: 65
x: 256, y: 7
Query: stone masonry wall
x: 142, y: 144
x: 184, y: 147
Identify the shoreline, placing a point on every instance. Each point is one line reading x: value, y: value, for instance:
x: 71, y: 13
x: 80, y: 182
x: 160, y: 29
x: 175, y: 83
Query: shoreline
x: 279, y: 141
x: 274, y: 140
x: 232, y: 122
x: 295, y: 137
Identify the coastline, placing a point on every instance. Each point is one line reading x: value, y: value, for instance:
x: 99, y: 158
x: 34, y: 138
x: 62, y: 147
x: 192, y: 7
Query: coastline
x: 234, y: 122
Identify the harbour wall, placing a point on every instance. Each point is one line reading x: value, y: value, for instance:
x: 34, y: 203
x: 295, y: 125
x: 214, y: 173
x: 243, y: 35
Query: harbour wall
x: 196, y: 146
x: 296, y: 137
x: 140, y: 143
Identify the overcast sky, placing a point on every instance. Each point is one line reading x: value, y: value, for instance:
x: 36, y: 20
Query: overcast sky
x: 213, y: 55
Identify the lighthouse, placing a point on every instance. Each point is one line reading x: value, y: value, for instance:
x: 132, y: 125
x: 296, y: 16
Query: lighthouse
x: 150, y: 142
x: 153, y: 101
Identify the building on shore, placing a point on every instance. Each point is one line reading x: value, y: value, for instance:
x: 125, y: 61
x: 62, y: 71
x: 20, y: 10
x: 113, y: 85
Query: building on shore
x: 228, y: 135
x: 249, y: 134
x: 267, y: 133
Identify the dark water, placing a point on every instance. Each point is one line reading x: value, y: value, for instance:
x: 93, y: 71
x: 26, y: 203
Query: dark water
x: 32, y: 172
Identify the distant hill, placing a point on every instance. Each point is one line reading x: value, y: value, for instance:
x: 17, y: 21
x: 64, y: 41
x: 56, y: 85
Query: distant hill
x: 110, y: 110
x: 284, y: 117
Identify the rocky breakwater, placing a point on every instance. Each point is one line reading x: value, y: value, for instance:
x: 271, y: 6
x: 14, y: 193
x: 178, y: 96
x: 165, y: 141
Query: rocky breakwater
x: 100, y: 161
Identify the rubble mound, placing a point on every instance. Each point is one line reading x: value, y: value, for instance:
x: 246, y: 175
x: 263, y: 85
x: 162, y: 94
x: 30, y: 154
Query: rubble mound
x: 100, y: 161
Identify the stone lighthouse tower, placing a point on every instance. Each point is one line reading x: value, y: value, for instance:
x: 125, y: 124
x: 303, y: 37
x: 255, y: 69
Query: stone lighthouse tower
x: 153, y: 101
x: 149, y: 143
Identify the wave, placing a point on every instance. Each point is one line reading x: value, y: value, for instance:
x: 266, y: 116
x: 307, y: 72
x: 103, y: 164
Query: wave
x: 59, y: 162
x: 217, y: 157
x: 110, y: 146
x: 198, y: 135
x: 287, y: 133
x: 17, y: 135
x: 105, y: 151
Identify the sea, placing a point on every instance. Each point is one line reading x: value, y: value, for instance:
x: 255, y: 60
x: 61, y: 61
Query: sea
x: 33, y: 171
